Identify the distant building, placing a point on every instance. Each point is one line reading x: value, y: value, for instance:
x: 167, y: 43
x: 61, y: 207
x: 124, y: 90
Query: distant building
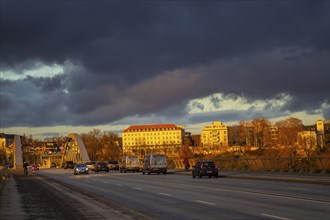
x: 322, y: 131
x: 215, y: 135
x: 273, y: 135
x: 157, y: 138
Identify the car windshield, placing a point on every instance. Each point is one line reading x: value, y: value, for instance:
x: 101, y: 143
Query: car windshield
x: 101, y: 163
x: 81, y: 165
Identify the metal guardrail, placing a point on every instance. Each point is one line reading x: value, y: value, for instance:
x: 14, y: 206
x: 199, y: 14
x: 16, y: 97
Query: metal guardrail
x: 290, y: 165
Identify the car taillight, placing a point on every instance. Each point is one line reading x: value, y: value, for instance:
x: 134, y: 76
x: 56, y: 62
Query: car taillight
x: 202, y: 166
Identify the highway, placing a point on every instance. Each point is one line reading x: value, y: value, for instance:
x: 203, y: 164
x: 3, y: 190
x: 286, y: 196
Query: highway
x: 175, y: 196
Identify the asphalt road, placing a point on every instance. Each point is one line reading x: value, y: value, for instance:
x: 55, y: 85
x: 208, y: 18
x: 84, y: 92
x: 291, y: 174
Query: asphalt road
x: 58, y: 194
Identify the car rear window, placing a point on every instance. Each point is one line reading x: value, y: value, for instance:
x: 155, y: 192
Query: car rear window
x: 208, y: 164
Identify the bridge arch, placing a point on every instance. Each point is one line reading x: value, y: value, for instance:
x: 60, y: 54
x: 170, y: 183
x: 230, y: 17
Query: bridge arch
x: 18, y: 153
x: 74, y: 150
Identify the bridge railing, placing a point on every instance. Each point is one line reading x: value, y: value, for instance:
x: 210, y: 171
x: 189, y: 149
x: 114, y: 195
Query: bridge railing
x: 290, y: 165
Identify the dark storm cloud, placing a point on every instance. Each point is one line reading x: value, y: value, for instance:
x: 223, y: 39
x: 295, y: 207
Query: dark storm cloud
x: 138, y: 58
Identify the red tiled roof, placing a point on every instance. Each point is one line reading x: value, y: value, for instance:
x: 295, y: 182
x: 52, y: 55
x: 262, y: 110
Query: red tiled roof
x: 135, y: 127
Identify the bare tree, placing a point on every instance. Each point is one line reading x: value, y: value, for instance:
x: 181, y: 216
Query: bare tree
x: 288, y: 132
x: 245, y: 133
x: 288, y: 138
x: 260, y: 131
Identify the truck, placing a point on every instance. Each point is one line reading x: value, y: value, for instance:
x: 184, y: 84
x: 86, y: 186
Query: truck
x: 154, y: 163
x: 130, y: 163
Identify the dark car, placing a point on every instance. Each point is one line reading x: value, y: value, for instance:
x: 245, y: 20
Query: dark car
x: 205, y: 168
x: 113, y: 164
x: 69, y: 164
x: 101, y: 166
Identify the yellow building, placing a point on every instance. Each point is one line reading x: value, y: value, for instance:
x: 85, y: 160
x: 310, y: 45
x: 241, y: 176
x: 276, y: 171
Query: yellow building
x: 320, y: 126
x: 158, y: 138
x: 215, y: 135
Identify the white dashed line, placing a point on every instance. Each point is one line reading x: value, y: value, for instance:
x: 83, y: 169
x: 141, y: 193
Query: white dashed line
x: 137, y: 188
x: 119, y: 184
x: 274, y: 216
x: 164, y: 194
x: 205, y: 203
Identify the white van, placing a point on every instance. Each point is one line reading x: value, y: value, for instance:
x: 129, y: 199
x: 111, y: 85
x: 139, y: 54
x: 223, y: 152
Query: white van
x: 154, y: 163
x: 130, y: 163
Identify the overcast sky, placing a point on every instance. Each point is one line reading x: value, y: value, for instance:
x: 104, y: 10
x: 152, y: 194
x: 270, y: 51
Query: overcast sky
x: 67, y: 66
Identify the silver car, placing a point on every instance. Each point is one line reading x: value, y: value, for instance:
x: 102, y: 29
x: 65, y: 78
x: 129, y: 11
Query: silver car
x: 91, y: 166
x: 80, y: 168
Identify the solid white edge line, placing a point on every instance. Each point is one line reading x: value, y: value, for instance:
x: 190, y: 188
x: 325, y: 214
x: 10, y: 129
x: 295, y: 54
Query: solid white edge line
x: 274, y: 216
x: 206, y: 203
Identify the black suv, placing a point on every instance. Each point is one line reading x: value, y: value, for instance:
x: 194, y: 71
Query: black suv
x: 69, y: 164
x: 101, y: 166
x: 205, y: 168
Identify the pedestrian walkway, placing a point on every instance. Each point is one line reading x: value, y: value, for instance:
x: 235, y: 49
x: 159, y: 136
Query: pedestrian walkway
x: 10, y: 200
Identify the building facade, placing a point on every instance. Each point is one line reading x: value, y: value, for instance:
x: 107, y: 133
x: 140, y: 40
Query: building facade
x: 215, y: 135
x: 158, y: 138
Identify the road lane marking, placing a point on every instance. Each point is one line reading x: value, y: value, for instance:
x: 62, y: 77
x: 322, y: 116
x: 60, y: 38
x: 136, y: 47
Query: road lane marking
x: 119, y: 184
x: 274, y: 216
x: 297, y: 188
x: 137, y: 188
x: 205, y: 203
x: 251, y: 184
x: 164, y: 194
x: 105, y: 182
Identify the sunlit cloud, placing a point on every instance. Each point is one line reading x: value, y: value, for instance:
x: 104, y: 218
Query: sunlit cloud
x: 221, y: 102
x: 39, y: 71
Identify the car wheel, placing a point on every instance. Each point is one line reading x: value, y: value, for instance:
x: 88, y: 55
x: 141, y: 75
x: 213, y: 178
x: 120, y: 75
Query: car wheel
x: 210, y: 176
x: 143, y: 172
x: 200, y: 175
x: 165, y: 173
x: 216, y: 176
